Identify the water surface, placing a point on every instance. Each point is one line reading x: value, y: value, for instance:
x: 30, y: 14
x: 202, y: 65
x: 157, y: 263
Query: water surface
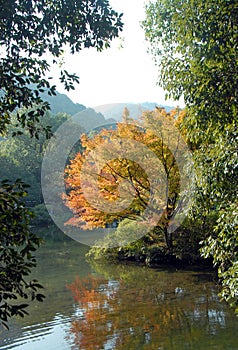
x: 92, y: 306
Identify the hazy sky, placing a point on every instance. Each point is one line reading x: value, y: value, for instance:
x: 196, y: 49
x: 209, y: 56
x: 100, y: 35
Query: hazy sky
x: 118, y: 74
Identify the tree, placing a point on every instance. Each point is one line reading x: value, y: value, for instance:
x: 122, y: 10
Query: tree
x: 195, y: 44
x: 16, y: 252
x: 32, y: 29
x: 195, y: 47
x: 22, y: 156
x: 29, y: 31
x: 132, y: 172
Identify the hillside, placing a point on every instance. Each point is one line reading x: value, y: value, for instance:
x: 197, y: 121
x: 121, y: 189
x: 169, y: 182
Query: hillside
x: 62, y: 103
x: 115, y: 110
x: 111, y: 112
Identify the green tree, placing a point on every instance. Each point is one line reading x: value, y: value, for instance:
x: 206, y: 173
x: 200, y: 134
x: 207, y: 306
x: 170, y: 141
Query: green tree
x: 195, y: 45
x: 30, y: 30
x: 22, y: 156
x: 16, y: 252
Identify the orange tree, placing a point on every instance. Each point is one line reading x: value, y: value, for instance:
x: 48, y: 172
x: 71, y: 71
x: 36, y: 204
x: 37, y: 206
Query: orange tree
x: 133, y: 173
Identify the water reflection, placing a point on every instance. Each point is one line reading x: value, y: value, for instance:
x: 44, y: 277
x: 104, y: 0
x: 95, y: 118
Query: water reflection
x: 138, y: 308
x: 105, y: 306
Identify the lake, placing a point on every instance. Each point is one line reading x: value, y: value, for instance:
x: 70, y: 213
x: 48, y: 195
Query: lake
x: 92, y: 306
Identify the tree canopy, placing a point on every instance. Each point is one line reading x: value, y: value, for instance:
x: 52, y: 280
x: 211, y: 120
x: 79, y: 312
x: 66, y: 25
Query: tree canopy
x: 29, y: 31
x: 33, y: 35
x: 195, y: 46
x: 133, y: 172
x: 17, y: 245
x: 21, y: 156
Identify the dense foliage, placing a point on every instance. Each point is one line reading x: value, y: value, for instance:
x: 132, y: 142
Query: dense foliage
x: 195, y: 46
x: 31, y: 29
x: 31, y: 33
x: 16, y: 252
x: 132, y: 178
x: 21, y: 156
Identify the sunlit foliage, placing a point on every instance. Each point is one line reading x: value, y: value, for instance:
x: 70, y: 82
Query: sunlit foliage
x: 195, y: 46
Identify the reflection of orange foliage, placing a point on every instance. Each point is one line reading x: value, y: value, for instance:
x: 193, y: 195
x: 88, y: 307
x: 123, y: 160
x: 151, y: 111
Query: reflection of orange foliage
x: 125, y: 316
x: 140, y: 308
x: 84, y: 291
x: 91, y: 301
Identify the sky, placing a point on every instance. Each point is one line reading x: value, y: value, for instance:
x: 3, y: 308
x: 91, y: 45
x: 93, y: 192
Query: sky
x: 124, y: 73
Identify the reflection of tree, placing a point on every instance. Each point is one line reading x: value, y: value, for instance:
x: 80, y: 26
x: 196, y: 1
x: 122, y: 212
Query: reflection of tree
x: 137, y: 308
x: 90, y: 328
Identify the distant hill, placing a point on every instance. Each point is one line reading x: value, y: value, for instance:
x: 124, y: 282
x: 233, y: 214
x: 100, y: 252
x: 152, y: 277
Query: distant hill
x: 89, y: 120
x: 100, y: 115
x: 115, y: 110
x: 111, y: 112
x: 151, y: 106
x: 62, y: 103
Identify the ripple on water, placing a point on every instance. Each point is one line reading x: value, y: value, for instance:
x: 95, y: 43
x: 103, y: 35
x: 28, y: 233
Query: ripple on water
x: 48, y: 335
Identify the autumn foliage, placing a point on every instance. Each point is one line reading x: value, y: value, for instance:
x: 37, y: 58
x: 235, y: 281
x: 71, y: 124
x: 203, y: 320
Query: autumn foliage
x: 129, y: 172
